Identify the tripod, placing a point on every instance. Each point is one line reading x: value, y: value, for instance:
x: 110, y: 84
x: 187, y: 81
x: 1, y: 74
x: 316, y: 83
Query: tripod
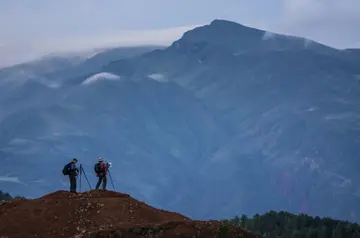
x: 112, y: 183
x: 81, y: 172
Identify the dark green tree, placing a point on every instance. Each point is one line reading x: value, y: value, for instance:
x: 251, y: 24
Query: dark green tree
x: 356, y: 235
x: 236, y: 221
x: 243, y: 221
x: 5, y: 196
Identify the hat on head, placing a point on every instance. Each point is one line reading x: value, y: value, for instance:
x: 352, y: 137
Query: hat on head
x: 101, y: 159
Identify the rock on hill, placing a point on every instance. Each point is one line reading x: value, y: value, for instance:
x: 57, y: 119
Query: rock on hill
x: 100, y: 214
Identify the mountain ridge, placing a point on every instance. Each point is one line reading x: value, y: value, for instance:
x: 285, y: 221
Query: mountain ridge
x: 237, y: 36
x: 211, y: 41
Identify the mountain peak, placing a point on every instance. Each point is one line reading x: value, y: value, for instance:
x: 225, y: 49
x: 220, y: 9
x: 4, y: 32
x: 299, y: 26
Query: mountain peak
x: 234, y: 36
x: 224, y: 22
x: 219, y: 33
x: 219, y: 30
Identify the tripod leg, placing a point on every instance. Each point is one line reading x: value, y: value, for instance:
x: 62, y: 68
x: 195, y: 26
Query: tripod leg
x: 86, y: 178
x: 80, y: 177
x: 112, y: 183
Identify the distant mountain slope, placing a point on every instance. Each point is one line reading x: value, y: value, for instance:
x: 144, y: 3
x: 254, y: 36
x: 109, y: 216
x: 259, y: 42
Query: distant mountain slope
x: 53, y: 68
x: 54, y: 72
x: 227, y: 117
x: 290, y: 107
x: 95, y: 63
x: 17, y: 74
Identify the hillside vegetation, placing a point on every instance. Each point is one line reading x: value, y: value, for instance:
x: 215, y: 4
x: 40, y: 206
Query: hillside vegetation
x: 283, y: 224
x: 5, y: 196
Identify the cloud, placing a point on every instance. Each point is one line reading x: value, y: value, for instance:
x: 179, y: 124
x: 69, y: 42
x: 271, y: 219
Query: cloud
x: 33, y: 48
x: 332, y: 22
x: 100, y: 76
x: 329, y: 10
x: 10, y: 179
x: 123, y: 37
x: 268, y: 35
x: 158, y: 77
x: 356, y: 45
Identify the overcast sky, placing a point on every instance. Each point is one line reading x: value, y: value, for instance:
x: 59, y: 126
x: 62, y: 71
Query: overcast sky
x: 31, y: 28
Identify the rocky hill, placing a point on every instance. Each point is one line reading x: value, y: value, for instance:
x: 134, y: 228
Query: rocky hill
x: 101, y: 214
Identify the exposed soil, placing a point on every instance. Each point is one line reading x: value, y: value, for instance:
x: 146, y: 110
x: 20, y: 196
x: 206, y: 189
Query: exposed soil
x: 100, y: 214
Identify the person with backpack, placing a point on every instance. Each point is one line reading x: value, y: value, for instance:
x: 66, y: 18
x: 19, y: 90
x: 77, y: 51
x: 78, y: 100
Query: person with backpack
x: 71, y: 170
x: 101, y: 172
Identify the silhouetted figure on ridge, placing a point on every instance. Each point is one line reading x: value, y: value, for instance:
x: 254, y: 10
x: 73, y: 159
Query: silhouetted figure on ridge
x: 101, y: 171
x: 71, y: 170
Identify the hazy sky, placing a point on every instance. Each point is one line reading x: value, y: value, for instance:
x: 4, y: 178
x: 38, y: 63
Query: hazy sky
x: 31, y: 28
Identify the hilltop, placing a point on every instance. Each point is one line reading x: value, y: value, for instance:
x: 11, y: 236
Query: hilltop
x: 101, y: 214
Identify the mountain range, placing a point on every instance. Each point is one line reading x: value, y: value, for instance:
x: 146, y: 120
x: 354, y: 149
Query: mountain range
x: 226, y: 120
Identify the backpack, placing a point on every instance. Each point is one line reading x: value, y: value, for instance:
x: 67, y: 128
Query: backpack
x: 97, y: 168
x: 66, y: 169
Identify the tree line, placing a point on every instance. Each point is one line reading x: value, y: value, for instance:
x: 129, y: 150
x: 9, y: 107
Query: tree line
x: 283, y: 224
x: 6, y: 196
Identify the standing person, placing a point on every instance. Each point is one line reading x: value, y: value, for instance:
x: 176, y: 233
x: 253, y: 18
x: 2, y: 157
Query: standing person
x: 101, y: 172
x: 71, y: 170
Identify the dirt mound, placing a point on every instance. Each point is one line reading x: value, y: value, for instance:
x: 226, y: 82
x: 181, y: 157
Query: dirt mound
x: 92, y: 193
x: 97, y: 214
x: 184, y: 229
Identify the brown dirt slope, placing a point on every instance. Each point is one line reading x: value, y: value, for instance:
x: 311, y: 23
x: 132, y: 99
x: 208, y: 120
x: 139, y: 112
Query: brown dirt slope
x: 100, y: 214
